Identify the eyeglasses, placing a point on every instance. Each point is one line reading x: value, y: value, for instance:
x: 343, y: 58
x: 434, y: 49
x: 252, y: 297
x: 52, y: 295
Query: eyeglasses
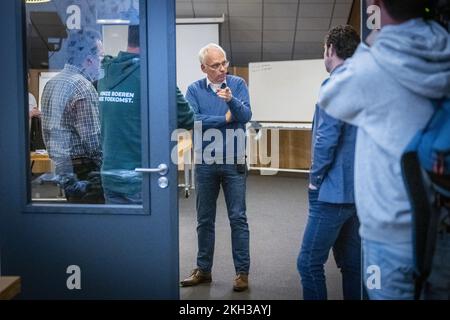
x: 217, y: 66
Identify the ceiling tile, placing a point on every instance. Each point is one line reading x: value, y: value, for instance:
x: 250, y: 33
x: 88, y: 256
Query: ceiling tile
x: 277, y: 47
x: 246, y: 47
x: 280, y: 1
x: 279, y: 23
x: 310, y: 36
x: 309, y: 47
x: 245, y: 9
x: 245, y: 23
x: 224, y: 34
x: 342, y: 10
x: 245, y: 35
x: 338, y: 21
x: 319, y: 1
x: 313, y: 23
x: 246, y: 1
x: 184, y: 10
x: 226, y: 47
x: 316, y: 10
x: 242, y: 59
x: 277, y: 36
x: 224, y: 41
x: 210, y: 2
x: 280, y: 10
x: 204, y: 9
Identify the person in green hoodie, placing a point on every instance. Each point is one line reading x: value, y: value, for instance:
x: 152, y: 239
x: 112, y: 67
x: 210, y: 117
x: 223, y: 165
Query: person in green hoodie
x: 120, y: 116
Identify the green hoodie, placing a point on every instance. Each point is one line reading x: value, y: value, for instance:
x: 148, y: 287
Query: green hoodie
x: 120, y: 115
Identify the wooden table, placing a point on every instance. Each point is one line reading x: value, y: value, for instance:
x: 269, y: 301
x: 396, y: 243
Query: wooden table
x: 9, y: 287
x: 40, y: 163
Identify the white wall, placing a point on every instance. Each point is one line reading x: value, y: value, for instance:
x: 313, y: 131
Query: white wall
x: 114, y: 39
x: 190, y: 38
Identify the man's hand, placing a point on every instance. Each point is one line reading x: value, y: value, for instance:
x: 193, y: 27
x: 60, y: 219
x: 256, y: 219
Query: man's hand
x: 228, y: 116
x: 225, y: 94
x: 35, y: 113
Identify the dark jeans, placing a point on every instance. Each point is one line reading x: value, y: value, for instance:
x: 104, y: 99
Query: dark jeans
x: 330, y: 226
x: 86, y: 186
x: 208, y: 179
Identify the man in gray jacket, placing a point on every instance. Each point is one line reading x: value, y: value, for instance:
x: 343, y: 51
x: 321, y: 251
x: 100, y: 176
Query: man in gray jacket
x: 385, y: 89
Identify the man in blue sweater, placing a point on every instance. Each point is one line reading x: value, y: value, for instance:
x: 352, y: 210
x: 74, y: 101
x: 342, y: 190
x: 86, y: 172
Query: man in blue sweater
x: 221, y: 106
x: 332, y: 220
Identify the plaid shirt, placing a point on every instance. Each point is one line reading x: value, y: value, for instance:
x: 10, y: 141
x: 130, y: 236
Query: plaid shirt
x: 70, y: 118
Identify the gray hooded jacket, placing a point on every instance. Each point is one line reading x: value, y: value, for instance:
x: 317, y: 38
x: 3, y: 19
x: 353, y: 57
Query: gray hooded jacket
x: 385, y: 91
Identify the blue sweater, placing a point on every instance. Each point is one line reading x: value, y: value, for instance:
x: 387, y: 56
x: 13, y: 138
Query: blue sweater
x: 210, y: 111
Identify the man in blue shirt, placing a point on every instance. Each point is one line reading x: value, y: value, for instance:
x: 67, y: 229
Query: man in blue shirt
x: 332, y: 220
x: 221, y: 106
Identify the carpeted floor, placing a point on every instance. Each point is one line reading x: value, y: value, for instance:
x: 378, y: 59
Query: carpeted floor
x: 277, y: 211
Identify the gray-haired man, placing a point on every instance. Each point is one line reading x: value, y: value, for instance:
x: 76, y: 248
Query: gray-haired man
x: 220, y: 102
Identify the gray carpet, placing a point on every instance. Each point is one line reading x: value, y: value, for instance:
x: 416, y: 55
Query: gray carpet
x: 277, y: 209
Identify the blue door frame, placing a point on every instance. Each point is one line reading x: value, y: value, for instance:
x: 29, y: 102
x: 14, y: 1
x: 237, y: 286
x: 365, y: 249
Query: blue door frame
x: 121, y: 256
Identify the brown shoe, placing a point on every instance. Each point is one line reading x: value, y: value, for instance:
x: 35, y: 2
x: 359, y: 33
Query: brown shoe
x: 197, y: 276
x: 240, y: 282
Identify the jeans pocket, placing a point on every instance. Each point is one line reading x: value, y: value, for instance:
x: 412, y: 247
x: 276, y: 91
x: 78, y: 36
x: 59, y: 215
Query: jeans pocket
x: 242, y: 168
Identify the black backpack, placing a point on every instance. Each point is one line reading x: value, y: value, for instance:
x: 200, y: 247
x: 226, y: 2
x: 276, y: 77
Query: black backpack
x: 426, y: 174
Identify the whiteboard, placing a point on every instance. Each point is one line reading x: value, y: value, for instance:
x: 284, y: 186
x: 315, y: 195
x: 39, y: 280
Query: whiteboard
x: 285, y: 91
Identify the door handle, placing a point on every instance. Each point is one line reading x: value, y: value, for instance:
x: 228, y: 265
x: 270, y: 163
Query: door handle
x: 162, y: 169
